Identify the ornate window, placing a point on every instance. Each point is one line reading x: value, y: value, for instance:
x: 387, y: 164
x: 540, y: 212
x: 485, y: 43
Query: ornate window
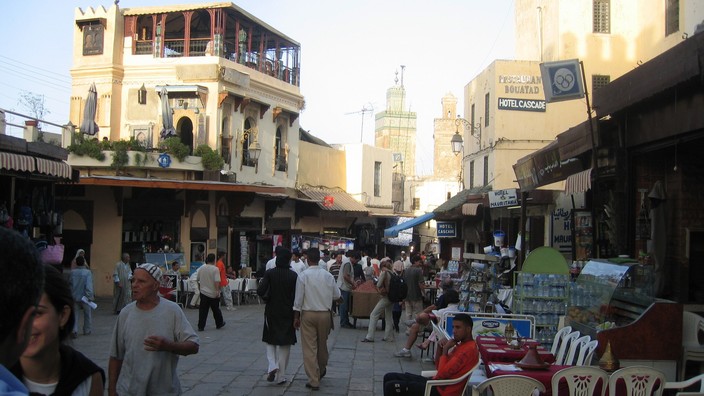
x: 280, y: 150
x: 248, y: 136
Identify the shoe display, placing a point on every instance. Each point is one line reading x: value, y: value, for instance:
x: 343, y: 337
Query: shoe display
x: 403, y: 353
x: 309, y: 386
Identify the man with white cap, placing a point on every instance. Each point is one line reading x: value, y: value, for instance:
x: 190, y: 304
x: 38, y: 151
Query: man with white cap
x: 150, y: 334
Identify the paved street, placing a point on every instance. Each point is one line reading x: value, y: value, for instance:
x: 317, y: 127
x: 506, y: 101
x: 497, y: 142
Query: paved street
x: 232, y: 360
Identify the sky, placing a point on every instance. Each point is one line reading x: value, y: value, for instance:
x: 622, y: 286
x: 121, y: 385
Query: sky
x: 350, y: 53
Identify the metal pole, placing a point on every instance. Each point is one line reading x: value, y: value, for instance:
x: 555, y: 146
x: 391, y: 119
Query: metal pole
x: 595, y: 186
x: 524, y: 213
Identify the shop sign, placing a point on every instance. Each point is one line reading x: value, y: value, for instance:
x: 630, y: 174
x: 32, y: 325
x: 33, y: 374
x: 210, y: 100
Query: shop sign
x: 502, y: 198
x: 562, y: 80
x: 164, y: 160
x: 521, y: 104
x: 446, y: 229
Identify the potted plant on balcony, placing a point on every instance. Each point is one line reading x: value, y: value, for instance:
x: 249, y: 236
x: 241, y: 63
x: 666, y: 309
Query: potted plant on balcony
x: 175, y: 147
x: 212, y: 162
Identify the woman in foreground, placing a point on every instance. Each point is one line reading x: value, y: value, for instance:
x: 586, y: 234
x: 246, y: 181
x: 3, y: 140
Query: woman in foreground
x: 48, y: 366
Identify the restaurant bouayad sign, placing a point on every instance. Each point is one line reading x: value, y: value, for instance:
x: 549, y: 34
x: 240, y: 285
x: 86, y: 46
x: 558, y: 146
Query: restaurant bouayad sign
x: 521, y: 84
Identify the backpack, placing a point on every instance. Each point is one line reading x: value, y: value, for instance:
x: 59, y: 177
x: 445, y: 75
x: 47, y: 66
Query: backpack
x: 398, y: 289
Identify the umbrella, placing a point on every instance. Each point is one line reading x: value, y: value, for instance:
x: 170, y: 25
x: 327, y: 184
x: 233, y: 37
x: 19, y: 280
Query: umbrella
x: 166, y: 117
x: 88, y: 125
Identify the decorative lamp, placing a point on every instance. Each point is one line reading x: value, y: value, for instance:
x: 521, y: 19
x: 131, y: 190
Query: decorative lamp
x: 456, y: 142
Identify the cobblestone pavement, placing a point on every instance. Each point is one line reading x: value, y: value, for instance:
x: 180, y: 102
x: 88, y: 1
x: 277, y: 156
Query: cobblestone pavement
x: 232, y: 360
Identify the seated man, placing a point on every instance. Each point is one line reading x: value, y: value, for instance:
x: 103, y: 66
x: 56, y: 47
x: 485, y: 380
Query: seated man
x: 458, y: 356
x: 422, y: 321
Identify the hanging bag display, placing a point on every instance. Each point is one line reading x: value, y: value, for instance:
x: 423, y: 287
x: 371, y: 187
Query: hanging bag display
x: 53, y: 254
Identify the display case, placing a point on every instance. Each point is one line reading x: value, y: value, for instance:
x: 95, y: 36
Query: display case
x: 609, y: 294
x: 612, y: 301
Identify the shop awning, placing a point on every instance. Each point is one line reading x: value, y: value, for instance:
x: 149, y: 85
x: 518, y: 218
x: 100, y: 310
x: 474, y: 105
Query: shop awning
x: 333, y: 199
x: 579, y: 182
x: 18, y: 162
x: 392, y: 232
x: 460, y: 198
x: 471, y: 209
x: 54, y: 168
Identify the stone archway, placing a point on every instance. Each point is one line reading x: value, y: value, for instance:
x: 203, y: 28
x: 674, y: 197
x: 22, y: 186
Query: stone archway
x: 184, y: 129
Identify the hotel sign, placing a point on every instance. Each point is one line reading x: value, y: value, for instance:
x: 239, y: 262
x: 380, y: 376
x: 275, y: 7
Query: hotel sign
x: 446, y: 229
x: 521, y: 104
x: 502, y: 198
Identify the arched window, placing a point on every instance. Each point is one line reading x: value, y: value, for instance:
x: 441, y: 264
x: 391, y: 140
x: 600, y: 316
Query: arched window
x: 280, y: 152
x: 247, y: 138
x: 226, y: 140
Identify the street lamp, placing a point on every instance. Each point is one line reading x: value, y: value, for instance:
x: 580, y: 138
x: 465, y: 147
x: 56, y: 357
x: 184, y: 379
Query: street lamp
x: 254, y: 151
x: 456, y: 142
x: 457, y: 138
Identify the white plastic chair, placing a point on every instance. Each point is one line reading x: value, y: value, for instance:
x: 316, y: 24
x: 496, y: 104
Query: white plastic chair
x: 575, y: 347
x: 586, y: 353
x: 639, y: 380
x: 432, y: 383
x: 581, y: 380
x: 566, y: 342
x: 509, y: 385
x: 236, y: 289
x: 692, y: 349
x: 686, y: 384
x: 558, y: 338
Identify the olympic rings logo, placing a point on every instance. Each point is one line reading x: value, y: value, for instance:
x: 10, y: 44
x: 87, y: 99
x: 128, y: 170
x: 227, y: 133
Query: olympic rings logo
x: 563, y: 80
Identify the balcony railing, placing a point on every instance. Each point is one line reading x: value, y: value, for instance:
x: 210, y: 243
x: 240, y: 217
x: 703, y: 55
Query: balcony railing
x: 174, y: 48
x: 143, y: 47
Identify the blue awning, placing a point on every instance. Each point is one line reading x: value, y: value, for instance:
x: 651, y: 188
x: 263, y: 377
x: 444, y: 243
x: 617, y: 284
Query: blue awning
x: 392, y: 232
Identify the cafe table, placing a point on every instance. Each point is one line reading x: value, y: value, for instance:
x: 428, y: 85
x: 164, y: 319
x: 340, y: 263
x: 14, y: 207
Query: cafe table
x: 495, y: 369
x: 495, y: 349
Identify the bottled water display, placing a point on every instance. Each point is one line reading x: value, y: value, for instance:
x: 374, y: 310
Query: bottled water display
x: 544, y: 296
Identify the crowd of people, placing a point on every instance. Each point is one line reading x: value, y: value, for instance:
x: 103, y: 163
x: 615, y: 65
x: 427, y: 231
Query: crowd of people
x: 303, y: 293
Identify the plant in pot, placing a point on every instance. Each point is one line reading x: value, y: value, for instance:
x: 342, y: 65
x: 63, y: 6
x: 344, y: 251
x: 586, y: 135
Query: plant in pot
x: 86, y: 147
x: 210, y: 158
x: 175, y: 147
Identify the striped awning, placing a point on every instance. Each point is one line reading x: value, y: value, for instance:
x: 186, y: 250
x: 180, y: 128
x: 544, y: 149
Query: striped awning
x: 18, y: 162
x: 471, y: 209
x: 579, y: 182
x: 54, y: 168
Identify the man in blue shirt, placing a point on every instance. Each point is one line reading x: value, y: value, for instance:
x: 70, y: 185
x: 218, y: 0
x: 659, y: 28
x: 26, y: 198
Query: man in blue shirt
x: 82, y: 286
x: 20, y: 289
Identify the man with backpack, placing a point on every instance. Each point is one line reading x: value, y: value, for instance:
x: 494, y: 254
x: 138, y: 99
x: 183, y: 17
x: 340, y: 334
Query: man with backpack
x: 413, y: 301
x: 384, y: 304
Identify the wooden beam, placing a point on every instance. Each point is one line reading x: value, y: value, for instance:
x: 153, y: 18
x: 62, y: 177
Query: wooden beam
x: 276, y: 113
x: 221, y: 98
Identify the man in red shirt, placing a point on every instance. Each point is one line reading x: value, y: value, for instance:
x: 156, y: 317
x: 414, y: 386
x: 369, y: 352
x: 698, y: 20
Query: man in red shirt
x: 224, y: 284
x: 458, y: 356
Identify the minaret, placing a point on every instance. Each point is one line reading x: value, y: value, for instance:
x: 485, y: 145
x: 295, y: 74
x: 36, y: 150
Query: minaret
x: 395, y: 128
x: 446, y: 165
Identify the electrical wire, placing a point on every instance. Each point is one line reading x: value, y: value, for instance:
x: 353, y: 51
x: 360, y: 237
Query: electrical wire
x: 68, y: 80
